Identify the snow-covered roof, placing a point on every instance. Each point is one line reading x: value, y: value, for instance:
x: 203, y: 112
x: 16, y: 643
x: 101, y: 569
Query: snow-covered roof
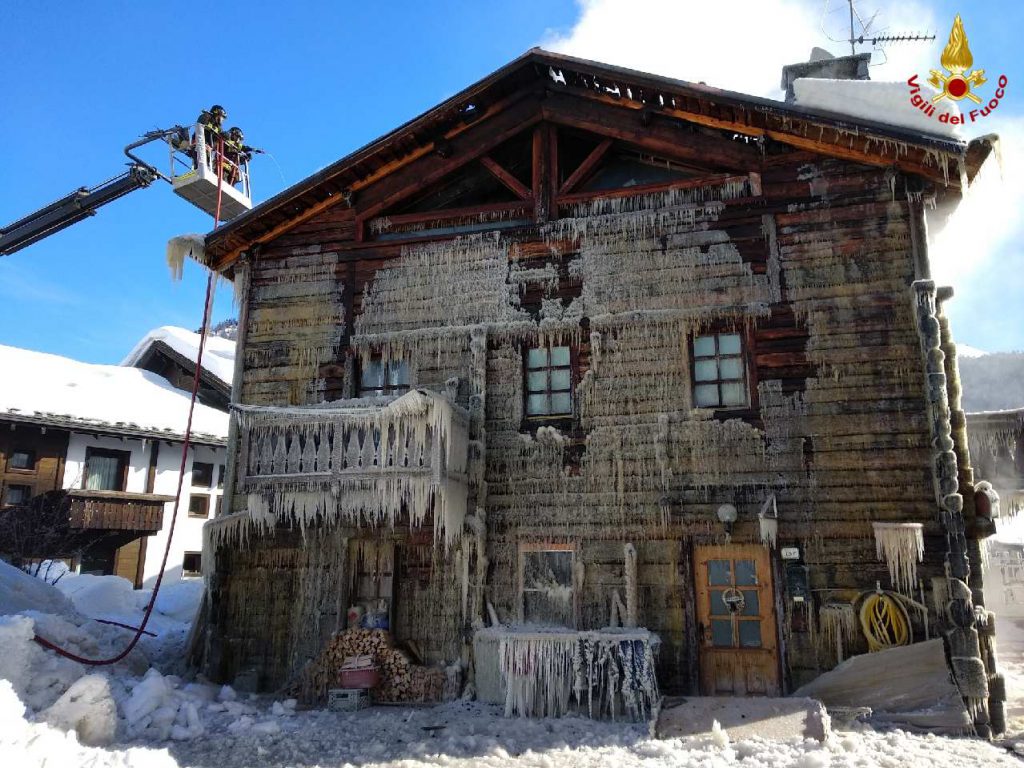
x: 218, y: 354
x: 876, y: 101
x: 966, y: 350
x: 50, y: 389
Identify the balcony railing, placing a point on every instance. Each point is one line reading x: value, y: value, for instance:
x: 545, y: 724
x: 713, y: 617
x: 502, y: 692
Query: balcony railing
x: 116, y: 510
x: 365, y: 461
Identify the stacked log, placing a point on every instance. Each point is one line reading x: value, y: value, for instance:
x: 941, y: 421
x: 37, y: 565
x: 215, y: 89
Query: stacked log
x: 401, y: 680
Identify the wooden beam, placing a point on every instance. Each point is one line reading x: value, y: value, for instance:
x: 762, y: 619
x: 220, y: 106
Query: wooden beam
x: 541, y: 174
x: 514, y: 185
x: 481, y: 138
x: 647, y: 189
x: 455, y: 213
x: 669, y: 138
x: 834, y: 142
x: 496, y: 108
x: 588, y: 165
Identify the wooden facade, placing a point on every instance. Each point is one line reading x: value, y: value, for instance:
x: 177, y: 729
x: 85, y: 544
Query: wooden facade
x: 741, y: 290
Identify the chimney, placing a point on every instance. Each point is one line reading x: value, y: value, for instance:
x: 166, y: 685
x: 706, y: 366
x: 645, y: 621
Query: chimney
x: 824, y: 65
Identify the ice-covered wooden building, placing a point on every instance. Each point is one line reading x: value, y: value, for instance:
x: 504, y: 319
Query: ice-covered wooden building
x: 584, y: 346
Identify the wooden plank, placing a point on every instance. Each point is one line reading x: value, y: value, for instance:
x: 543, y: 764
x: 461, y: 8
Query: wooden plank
x: 589, y: 164
x: 665, y: 137
x: 514, y: 185
x: 647, y: 189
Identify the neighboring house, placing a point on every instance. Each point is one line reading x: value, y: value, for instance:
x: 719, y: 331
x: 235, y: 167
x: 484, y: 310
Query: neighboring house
x: 171, y: 352
x: 583, y: 346
x: 111, y: 436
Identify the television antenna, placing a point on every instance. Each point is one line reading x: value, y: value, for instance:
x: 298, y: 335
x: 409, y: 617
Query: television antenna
x: 867, y: 33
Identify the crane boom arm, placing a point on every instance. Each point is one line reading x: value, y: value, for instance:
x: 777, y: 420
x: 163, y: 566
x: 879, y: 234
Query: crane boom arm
x: 84, y: 201
x: 81, y: 203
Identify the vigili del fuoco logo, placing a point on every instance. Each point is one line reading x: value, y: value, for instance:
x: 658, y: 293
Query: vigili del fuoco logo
x: 956, y: 82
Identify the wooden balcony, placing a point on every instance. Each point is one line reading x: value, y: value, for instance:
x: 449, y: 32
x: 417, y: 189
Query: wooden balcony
x: 142, y: 513
x: 363, y: 460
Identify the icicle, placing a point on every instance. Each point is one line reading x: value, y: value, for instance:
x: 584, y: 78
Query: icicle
x: 838, y: 628
x: 629, y: 554
x: 768, y: 522
x: 181, y: 246
x: 549, y: 674
x: 901, y: 546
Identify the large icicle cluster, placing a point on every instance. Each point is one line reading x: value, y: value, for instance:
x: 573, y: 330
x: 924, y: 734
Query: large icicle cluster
x: 360, y: 464
x: 552, y: 673
x: 901, y: 546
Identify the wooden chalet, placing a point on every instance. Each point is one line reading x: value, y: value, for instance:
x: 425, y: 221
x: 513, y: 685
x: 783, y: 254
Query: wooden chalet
x: 583, y: 346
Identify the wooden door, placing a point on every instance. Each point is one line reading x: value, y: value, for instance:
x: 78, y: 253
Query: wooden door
x: 736, y: 621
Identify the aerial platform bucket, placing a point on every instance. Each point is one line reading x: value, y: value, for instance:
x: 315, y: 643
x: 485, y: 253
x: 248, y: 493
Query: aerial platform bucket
x: 197, y: 179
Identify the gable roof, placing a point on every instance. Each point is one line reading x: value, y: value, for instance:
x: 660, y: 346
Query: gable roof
x: 933, y: 156
x: 218, y: 353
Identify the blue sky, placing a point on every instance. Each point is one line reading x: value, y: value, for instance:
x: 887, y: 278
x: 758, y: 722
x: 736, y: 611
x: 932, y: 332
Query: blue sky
x: 312, y: 81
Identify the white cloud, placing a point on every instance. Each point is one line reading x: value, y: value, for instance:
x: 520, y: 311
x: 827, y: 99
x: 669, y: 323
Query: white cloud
x: 739, y: 46
x: 742, y: 46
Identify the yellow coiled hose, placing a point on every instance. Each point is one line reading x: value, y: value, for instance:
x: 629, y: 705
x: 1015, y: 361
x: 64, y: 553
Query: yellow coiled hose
x: 884, y: 621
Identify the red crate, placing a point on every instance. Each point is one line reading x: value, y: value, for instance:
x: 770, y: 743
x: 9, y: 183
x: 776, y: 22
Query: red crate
x: 359, y: 678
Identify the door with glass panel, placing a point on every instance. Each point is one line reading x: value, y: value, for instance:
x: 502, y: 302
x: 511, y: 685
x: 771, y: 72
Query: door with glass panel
x: 736, y: 621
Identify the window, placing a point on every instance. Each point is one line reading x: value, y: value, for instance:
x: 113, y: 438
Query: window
x: 548, y: 382
x: 719, y: 371
x: 198, y: 505
x: 22, y: 460
x: 547, y: 584
x: 378, y: 378
x: 17, y: 494
x: 192, y: 564
x: 105, y: 470
x: 221, y: 471
x: 202, y: 474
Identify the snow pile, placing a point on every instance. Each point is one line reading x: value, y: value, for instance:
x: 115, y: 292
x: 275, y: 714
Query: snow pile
x: 22, y: 592
x: 25, y: 743
x: 53, y: 387
x: 218, y: 354
x: 877, y: 102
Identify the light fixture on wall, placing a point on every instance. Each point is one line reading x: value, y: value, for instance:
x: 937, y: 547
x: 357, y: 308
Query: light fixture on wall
x: 726, y: 516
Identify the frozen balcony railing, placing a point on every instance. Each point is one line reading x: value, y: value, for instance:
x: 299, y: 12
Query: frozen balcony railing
x: 365, y: 464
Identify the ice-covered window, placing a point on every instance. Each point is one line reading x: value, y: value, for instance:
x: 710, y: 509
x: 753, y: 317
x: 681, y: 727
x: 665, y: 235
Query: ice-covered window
x: 379, y: 378
x: 548, y: 382
x: 719, y: 371
x: 105, y: 470
x: 547, y: 584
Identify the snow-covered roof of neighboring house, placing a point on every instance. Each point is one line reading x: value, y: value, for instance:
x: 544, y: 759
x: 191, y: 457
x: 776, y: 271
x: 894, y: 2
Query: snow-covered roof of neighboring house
x: 875, y: 100
x: 48, y: 389
x: 218, y: 354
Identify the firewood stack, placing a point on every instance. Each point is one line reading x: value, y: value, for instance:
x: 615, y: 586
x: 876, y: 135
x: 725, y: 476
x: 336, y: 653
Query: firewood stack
x: 401, y: 680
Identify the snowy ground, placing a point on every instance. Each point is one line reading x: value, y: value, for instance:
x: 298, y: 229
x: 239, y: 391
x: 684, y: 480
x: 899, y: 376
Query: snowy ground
x: 154, y: 720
